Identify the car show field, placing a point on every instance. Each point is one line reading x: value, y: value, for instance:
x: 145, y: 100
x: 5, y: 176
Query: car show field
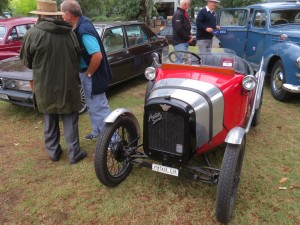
x: 35, y: 190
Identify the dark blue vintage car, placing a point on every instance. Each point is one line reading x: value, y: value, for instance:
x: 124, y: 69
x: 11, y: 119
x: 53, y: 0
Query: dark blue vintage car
x: 271, y: 31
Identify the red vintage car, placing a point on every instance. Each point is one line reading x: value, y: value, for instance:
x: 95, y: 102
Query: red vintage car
x: 12, y: 31
x: 193, y: 103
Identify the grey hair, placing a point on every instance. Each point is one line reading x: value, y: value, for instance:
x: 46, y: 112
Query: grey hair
x: 182, y: 2
x: 72, y: 7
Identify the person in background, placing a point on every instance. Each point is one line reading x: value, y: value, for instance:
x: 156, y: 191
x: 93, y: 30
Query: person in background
x: 206, y: 23
x: 51, y: 50
x: 182, y: 27
x: 95, y: 71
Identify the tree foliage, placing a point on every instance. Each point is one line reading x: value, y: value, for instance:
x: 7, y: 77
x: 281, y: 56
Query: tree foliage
x: 130, y: 9
x: 22, y: 7
x: 3, y: 6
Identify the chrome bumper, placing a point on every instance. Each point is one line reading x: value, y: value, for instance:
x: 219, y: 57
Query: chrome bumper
x: 291, y: 88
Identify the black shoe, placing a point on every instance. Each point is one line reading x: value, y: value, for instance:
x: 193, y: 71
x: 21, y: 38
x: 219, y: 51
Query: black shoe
x: 80, y: 156
x: 90, y: 137
x: 56, y: 158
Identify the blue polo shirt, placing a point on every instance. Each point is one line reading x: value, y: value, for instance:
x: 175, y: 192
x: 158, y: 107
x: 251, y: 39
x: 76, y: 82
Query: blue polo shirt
x: 91, y: 45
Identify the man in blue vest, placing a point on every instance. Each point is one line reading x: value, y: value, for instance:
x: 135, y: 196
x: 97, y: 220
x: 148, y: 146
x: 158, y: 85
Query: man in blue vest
x: 95, y: 71
x: 206, y: 24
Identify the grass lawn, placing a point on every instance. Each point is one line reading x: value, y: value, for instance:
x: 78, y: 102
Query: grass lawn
x: 34, y: 190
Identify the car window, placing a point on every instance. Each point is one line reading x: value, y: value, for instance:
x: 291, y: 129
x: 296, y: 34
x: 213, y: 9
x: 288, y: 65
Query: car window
x: 136, y: 35
x: 18, y: 32
x: 259, y: 19
x: 233, y: 17
x: 279, y: 17
x: 2, y: 32
x: 113, y: 39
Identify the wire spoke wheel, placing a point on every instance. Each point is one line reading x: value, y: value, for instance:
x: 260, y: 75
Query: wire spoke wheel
x: 112, y: 158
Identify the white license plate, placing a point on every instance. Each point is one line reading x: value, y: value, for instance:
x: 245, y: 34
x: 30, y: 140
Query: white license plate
x: 165, y: 169
x: 3, y: 96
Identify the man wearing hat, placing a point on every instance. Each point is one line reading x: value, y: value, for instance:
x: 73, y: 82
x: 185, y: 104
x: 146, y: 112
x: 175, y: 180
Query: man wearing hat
x: 51, y: 50
x: 206, y: 24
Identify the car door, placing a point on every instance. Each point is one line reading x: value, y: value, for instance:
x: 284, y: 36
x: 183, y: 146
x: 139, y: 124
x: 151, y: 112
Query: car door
x: 140, y: 48
x: 15, y: 36
x: 117, y: 53
x: 257, y: 38
x: 235, y: 21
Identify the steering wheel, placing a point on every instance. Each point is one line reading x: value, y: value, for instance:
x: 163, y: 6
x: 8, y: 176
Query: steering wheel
x: 180, y: 57
x: 280, y: 21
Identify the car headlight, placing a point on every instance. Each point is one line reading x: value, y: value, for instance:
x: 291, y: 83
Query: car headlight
x: 249, y: 82
x: 21, y: 85
x: 150, y: 73
x: 298, y: 62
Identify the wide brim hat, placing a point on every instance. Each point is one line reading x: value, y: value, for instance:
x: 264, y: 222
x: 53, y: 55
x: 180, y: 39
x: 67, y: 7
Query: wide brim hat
x: 213, y: 1
x: 46, y: 7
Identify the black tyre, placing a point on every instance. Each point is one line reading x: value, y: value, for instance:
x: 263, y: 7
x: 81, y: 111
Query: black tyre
x: 111, y: 163
x: 148, y: 89
x: 277, y: 80
x: 83, y: 104
x: 229, y: 181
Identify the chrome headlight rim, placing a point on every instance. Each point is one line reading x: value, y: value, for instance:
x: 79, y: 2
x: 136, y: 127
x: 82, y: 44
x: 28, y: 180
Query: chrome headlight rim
x: 249, y: 82
x: 150, y: 73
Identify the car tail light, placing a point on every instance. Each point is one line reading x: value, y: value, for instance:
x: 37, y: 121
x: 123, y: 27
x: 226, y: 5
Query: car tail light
x: 283, y: 37
x: 31, y: 84
x: 249, y: 82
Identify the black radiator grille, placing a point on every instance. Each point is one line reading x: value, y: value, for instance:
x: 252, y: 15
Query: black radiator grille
x: 166, y: 134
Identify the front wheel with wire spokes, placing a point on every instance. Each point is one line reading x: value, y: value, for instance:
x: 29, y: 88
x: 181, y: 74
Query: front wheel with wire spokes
x: 112, y: 161
x: 229, y: 180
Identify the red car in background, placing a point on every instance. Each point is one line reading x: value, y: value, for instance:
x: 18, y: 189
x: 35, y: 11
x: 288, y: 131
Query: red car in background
x: 12, y: 31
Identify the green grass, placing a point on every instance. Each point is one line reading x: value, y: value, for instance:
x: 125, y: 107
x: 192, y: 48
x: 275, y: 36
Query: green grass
x: 34, y: 190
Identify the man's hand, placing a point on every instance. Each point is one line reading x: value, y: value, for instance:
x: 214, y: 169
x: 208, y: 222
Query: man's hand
x: 209, y: 30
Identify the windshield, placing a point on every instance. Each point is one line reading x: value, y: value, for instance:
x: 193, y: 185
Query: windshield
x: 281, y: 17
x: 215, y: 57
x: 2, y: 32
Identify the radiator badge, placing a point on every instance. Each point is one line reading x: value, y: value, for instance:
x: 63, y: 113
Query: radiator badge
x: 165, y: 107
x: 155, y: 118
x: 179, y: 148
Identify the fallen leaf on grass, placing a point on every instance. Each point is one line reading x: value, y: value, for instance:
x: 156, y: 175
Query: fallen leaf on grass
x: 284, y: 179
x: 282, y: 188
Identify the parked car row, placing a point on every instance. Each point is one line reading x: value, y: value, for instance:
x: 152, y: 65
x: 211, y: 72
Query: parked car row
x: 129, y: 46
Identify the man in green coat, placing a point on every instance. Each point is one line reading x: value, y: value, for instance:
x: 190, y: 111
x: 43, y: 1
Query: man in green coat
x: 51, y: 50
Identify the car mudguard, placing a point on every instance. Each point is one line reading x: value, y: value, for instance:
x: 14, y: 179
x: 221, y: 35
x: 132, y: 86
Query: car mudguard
x: 288, y: 53
x: 235, y: 136
x: 111, y: 118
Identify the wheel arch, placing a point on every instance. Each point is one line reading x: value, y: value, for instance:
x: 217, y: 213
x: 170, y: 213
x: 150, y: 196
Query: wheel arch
x: 235, y: 136
x: 111, y: 118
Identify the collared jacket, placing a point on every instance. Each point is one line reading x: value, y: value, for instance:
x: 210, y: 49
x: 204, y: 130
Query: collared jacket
x: 205, y: 19
x: 51, y: 50
x: 103, y: 74
x: 181, y: 27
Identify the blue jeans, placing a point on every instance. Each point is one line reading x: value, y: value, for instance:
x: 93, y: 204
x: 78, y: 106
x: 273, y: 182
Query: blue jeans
x: 180, y: 47
x: 97, y: 105
x: 204, y: 46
